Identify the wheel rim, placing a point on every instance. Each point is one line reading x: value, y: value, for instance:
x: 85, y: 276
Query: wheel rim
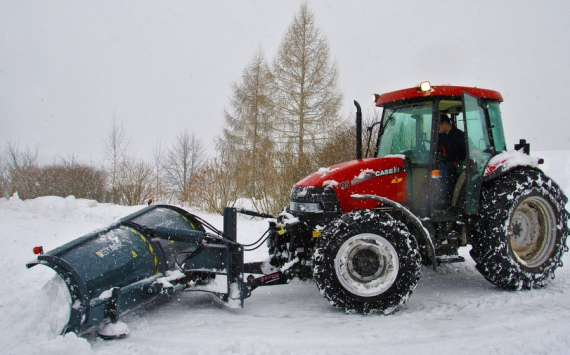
x: 367, y: 265
x: 532, y: 231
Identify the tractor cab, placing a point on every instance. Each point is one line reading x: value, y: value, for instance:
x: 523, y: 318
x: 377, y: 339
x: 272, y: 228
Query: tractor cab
x: 410, y: 129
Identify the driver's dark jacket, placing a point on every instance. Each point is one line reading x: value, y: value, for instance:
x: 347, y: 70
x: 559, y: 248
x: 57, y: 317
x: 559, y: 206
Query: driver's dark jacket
x: 451, y: 146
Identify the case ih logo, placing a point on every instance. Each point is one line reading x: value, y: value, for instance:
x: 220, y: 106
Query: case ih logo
x: 369, y: 174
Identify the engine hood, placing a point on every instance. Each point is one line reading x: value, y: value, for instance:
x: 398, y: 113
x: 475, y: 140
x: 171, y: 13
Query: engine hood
x: 377, y: 176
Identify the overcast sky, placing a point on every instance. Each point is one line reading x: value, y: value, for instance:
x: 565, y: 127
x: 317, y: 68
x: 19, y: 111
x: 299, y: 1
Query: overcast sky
x: 162, y: 67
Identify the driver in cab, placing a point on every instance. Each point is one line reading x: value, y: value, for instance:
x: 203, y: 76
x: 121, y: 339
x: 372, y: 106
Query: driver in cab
x: 451, y: 152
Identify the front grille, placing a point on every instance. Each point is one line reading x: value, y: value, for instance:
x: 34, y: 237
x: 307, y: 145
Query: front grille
x: 325, y: 196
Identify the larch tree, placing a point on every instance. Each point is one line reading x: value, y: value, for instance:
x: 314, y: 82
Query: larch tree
x: 307, y: 95
x: 246, y: 146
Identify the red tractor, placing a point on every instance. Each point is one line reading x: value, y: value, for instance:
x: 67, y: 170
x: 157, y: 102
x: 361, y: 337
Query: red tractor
x: 363, y: 228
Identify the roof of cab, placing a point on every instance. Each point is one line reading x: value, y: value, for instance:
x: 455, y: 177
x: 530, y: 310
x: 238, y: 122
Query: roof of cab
x: 439, y: 90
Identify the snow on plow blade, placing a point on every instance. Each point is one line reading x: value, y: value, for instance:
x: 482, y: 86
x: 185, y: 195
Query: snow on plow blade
x: 148, y: 253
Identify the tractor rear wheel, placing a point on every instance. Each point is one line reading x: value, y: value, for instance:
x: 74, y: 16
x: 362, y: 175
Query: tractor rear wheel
x: 520, y: 235
x: 367, y: 262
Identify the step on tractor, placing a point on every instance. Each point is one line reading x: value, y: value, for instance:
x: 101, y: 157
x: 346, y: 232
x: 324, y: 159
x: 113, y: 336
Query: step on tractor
x: 361, y: 229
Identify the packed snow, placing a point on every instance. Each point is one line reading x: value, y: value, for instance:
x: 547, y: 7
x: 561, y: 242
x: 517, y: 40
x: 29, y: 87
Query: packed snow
x: 453, y: 311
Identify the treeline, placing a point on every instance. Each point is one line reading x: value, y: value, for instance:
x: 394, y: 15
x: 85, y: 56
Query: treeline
x: 282, y: 123
x: 123, y: 178
x: 20, y: 172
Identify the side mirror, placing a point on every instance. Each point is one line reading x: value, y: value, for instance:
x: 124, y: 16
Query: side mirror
x: 524, y: 146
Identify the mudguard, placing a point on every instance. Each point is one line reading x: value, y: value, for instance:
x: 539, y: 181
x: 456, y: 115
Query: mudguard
x: 504, y: 162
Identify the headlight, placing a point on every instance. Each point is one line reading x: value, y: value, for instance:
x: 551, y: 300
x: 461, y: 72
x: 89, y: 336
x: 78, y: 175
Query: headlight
x: 425, y: 86
x: 312, y: 207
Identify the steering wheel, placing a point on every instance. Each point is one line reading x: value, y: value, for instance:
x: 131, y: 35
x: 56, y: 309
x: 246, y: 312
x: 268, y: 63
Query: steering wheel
x: 422, y: 147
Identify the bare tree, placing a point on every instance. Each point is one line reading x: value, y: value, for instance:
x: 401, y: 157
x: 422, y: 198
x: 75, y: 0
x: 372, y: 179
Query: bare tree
x: 308, y: 97
x: 22, y: 171
x: 342, y: 145
x: 338, y: 149
x: 371, y: 117
x: 182, y: 162
x: 134, y: 181
x: 217, y: 187
x: 116, y: 147
x: 18, y: 159
x: 4, y: 175
x: 158, y: 160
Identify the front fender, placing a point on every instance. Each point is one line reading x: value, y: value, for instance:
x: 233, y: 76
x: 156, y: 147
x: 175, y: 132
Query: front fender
x: 504, y: 162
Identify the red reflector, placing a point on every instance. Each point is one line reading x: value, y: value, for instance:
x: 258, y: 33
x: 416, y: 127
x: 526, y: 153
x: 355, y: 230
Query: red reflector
x: 38, y: 250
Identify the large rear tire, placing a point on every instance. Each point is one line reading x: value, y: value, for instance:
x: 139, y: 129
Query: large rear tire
x: 521, y: 232
x: 366, y: 261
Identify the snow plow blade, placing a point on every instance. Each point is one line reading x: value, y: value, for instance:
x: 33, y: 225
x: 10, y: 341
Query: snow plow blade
x: 146, y: 254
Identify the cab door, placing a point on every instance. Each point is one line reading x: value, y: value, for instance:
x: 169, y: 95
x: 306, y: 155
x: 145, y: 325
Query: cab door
x: 479, y: 149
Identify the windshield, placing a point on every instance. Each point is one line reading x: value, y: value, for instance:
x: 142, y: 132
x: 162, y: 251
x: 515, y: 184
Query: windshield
x: 406, y: 130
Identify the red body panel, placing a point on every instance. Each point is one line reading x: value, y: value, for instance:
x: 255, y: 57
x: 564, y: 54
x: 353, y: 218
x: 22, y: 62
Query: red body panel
x: 375, y: 176
x: 436, y: 91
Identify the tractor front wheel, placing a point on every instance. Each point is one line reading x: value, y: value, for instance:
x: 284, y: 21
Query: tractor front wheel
x: 366, y: 261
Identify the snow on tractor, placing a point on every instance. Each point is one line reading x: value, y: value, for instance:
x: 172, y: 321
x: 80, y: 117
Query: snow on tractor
x: 440, y: 177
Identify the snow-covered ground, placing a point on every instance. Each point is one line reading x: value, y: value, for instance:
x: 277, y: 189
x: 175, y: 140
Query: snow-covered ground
x: 454, y: 311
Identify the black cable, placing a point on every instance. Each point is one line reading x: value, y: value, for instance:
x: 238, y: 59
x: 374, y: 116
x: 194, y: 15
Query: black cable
x: 260, y: 244
x: 254, y: 243
x: 261, y: 240
x: 208, y: 225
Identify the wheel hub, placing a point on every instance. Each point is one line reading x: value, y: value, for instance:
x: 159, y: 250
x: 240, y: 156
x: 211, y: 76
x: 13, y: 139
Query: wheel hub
x: 367, y: 265
x: 532, y: 231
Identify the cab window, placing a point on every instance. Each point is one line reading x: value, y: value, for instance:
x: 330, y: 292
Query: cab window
x: 497, y: 127
x: 407, y: 130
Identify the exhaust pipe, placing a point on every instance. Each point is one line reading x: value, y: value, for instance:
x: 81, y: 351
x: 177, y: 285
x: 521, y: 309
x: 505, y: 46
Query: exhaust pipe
x: 358, y: 130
